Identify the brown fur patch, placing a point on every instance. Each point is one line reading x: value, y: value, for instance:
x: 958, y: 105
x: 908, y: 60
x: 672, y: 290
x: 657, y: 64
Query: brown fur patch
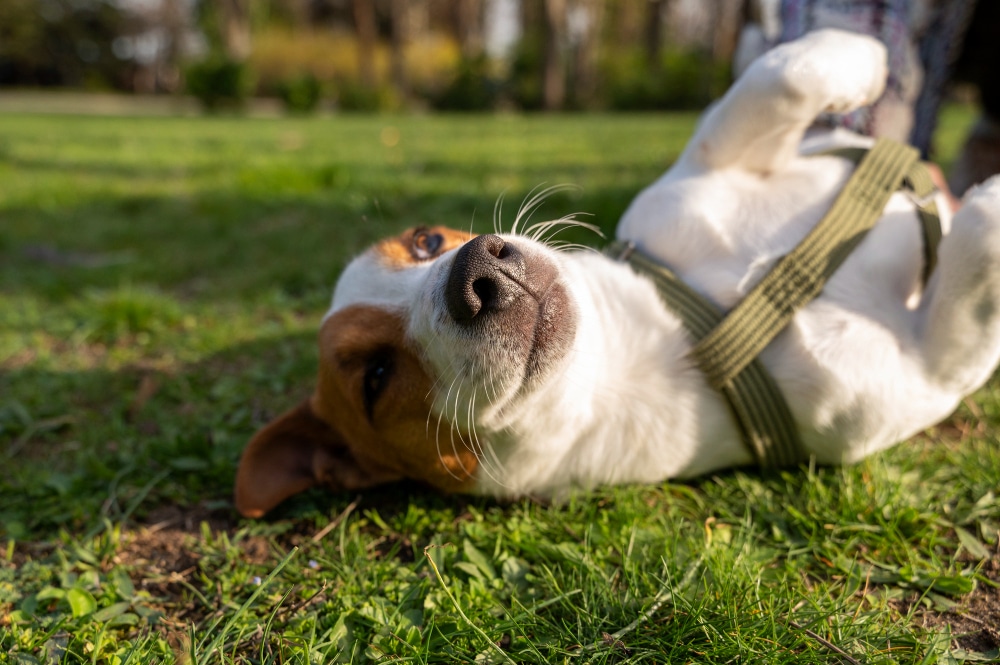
x: 292, y: 453
x: 409, y: 248
x: 395, y: 440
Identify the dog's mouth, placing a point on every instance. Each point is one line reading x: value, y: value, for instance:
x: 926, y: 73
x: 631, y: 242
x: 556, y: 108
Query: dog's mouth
x: 552, y: 317
x: 504, y: 320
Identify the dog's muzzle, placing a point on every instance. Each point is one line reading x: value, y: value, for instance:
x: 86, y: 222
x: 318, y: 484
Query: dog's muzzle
x: 487, y: 277
x: 509, y: 303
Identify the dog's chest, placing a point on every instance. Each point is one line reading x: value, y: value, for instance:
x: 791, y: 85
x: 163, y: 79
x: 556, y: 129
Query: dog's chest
x: 721, y: 231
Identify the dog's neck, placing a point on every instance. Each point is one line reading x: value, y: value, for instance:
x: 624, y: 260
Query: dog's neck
x: 635, y: 405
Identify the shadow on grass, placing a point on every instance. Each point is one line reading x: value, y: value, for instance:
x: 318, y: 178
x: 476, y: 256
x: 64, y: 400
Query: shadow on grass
x: 140, y: 443
x: 236, y: 248
x: 102, y: 411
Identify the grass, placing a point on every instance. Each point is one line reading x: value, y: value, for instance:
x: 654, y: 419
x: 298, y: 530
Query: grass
x: 161, y: 281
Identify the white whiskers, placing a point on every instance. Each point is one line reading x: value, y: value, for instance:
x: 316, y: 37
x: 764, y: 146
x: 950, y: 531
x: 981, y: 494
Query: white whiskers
x: 533, y: 201
x: 544, y: 232
x: 468, y: 435
x: 498, y: 214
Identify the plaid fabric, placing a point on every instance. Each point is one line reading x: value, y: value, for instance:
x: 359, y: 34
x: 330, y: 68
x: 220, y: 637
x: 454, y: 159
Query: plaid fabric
x: 887, y: 21
x: 940, y: 46
x: 923, y: 38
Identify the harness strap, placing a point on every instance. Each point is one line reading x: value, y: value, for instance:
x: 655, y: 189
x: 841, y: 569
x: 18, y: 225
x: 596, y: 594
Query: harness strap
x: 727, y: 346
x: 758, y: 407
x: 800, y: 275
x: 918, y: 181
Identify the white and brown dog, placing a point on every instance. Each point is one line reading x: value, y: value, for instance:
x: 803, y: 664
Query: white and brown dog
x: 496, y: 365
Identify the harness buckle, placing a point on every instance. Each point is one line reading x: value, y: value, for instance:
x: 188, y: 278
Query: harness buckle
x: 627, y: 248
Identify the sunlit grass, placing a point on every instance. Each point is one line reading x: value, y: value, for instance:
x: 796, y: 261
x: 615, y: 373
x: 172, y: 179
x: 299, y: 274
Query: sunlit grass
x: 161, y: 281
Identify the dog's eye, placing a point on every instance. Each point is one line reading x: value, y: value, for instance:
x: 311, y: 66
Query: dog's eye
x: 378, y: 371
x: 426, y: 245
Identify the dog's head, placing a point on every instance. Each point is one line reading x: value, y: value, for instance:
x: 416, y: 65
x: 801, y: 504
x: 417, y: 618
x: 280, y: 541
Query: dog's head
x: 432, y: 339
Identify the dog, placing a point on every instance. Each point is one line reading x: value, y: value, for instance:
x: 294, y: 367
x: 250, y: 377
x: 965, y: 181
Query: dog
x: 496, y: 365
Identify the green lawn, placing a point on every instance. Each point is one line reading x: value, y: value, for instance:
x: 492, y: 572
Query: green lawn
x: 161, y: 282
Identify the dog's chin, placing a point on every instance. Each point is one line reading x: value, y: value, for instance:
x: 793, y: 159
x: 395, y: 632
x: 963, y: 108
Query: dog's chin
x: 554, y: 330
x: 507, y: 364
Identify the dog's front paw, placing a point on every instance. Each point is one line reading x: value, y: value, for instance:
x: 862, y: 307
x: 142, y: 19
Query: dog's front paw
x: 870, y: 58
x: 846, y: 69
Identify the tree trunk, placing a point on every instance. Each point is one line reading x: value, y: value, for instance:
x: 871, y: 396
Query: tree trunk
x: 400, y: 35
x: 469, y: 27
x: 364, y: 23
x: 235, y: 16
x: 300, y: 12
x: 554, y: 68
x: 585, y: 44
x: 727, y: 29
x: 653, y: 38
x: 172, y: 18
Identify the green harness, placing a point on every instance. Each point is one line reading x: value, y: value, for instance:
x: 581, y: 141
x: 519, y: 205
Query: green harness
x: 727, y: 345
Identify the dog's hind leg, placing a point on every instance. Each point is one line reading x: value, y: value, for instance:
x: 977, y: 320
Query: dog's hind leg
x: 759, y: 123
x: 960, y: 313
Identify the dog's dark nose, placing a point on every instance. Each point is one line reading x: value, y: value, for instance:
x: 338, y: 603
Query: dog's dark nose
x: 486, y: 276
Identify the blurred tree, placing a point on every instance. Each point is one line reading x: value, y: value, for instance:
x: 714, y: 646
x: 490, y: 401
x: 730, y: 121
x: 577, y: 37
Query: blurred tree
x: 224, y: 78
x: 585, y: 19
x: 401, y: 13
x: 227, y: 25
x: 366, y: 30
x: 235, y: 28
x: 525, y: 77
x: 62, y: 42
x: 299, y: 11
x: 727, y: 20
x: 469, y: 26
x: 553, y: 60
x: 556, y: 62
x: 626, y: 20
x: 571, y: 53
x: 175, y: 24
x: 654, y: 36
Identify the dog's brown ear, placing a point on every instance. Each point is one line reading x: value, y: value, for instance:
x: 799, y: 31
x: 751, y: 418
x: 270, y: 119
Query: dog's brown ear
x: 291, y: 454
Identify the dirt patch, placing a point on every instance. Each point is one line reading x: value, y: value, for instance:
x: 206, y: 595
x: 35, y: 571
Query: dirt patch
x: 976, y: 624
x: 162, y: 557
x: 187, y: 519
x: 162, y: 560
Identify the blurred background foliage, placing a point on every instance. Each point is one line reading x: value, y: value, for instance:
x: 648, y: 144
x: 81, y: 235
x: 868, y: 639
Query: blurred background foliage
x: 369, y: 55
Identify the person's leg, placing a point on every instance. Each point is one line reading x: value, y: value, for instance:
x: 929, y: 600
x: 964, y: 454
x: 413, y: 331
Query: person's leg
x: 980, y: 157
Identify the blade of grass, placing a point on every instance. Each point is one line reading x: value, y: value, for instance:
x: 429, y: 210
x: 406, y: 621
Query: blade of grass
x: 213, y: 645
x: 458, y: 608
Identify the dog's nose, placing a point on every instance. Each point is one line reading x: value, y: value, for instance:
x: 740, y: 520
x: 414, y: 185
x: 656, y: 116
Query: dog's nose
x: 486, y: 276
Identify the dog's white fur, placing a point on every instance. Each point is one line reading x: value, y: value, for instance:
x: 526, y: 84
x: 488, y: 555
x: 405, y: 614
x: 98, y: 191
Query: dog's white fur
x: 869, y: 363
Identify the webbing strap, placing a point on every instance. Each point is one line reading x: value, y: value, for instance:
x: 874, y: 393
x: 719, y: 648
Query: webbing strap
x: 800, y: 275
x: 759, y: 409
x: 727, y: 346
x: 918, y: 180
